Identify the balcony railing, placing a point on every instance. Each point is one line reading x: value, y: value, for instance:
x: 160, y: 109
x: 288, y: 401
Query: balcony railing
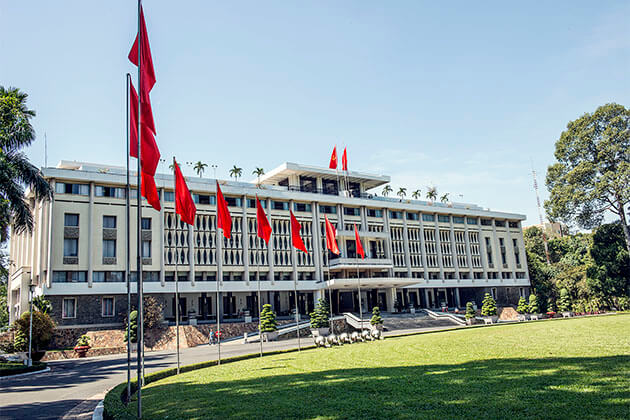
x: 366, y: 263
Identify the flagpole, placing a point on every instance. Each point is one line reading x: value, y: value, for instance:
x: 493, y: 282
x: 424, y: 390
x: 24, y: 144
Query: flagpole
x: 359, y: 287
x: 297, y: 310
x: 140, y: 360
x: 176, y: 278
x: 329, y: 291
x: 127, y: 251
x: 256, y: 255
x: 219, y: 263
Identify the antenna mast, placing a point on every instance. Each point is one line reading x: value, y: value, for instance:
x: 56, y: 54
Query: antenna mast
x: 540, y: 215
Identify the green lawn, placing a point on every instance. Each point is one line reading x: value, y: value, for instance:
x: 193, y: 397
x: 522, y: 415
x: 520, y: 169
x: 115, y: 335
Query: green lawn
x: 577, y: 368
x: 14, y: 368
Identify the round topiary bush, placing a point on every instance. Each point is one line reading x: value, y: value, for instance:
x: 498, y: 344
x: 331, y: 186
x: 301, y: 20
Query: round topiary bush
x: 489, y: 306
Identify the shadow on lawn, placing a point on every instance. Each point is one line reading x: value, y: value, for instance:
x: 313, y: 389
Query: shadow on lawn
x: 562, y: 388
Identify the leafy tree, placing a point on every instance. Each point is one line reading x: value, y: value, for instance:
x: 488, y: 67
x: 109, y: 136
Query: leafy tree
x: 43, y: 327
x: 489, y: 306
x: 470, y: 310
x: 592, y: 175
x: 387, y: 189
x: 200, y: 167
x: 16, y: 172
x: 376, y: 316
x: 564, y: 301
x: 533, y: 304
x: 268, y: 319
x: 416, y: 194
x: 153, y: 310
x: 609, y: 276
x: 432, y: 194
x: 522, y: 307
x: 236, y: 172
x: 42, y: 304
x: 402, y: 192
x: 444, y: 198
x: 258, y: 172
x: 320, y: 316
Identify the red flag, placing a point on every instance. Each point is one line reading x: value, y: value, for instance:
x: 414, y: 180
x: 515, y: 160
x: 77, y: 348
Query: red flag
x: 150, y: 151
x: 360, y: 250
x: 263, y: 228
x: 333, y: 159
x: 184, y: 204
x: 344, y: 160
x: 224, y: 221
x: 331, y: 242
x: 295, y: 234
x: 148, y: 74
x: 149, y: 191
x: 147, y: 112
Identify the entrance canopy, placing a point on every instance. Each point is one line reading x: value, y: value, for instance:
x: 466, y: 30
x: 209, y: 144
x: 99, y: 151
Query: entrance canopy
x: 370, y: 283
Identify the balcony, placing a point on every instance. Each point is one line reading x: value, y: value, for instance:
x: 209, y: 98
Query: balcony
x: 345, y: 263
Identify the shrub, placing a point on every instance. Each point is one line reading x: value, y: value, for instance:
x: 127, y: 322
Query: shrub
x: 268, y: 319
x: 564, y: 301
x: 376, y: 316
x: 533, y: 304
x: 153, y: 310
x: 42, y: 304
x: 623, y: 303
x: 133, y: 327
x: 470, y: 310
x: 522, y: 307
x: 320, y: 316
x: 43, y: 327
x: 489, y: 306
x: 550, y: 305
x: 83, y: 341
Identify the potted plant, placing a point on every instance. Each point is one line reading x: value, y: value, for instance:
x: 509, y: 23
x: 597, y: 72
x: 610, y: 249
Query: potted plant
x: 489, y: 308
x: 564, y: 303
x: 522, y: 309
x: 320, y: 319
x: 470, y: 313
x: 534, y: 309
x: 376, y: 321
x: 133, y: 330
x: 82, y: 346
x: 268, y: 324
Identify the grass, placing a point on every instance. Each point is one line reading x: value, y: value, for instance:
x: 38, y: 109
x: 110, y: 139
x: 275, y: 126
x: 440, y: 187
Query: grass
x: 13, y: 368
x: 576, y: 368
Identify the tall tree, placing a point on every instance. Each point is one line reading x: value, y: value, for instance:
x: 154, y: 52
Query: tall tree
x: 236, y: 172
x: 444, y: 198
x: 16, y: 172
x: 200, y: 167
x: 402, y: 192
x: 416, y: 194
x: 387, y: 189
x: 432, y: 193
x: 592, y: 175
x: 258, y: 172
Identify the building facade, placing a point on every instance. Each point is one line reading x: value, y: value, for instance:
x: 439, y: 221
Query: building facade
x: 418, y: 253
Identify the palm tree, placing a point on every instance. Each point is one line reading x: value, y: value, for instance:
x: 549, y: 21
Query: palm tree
x: 416, y: 194
x: 16, y: 171
x: 258, y: 172
x: 386, y: 190
x: 432, y: 194
x: 200, y: 167
x: 236, y: 172
x: 444, y: 198
x: 402, y: 192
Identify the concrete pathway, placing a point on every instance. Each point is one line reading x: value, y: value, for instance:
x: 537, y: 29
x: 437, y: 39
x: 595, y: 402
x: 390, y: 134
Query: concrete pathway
x: 73, y: 388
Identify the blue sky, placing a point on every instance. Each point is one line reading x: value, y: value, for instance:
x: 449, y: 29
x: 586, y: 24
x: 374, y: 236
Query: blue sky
x: 459, y: 95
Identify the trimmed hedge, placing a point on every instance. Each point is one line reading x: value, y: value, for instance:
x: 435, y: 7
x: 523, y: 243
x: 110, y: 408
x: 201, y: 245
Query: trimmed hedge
x: 15, y: 368
x: 116, y: 409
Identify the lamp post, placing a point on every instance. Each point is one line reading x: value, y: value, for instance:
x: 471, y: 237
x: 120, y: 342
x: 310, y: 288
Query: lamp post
x: 31, y: 286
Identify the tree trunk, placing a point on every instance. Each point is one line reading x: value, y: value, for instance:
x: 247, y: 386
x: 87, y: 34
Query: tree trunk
x: 624, y: 226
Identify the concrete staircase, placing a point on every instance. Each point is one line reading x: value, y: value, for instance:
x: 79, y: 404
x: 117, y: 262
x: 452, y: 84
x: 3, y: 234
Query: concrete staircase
x: 393, y: 322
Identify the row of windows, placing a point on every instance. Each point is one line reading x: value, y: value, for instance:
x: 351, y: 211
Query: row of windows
x: 69, y: 307
x: 71, y: 248
x: 109, y: 222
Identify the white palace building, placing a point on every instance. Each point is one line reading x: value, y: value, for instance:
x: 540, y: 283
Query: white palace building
x: 419, y: 254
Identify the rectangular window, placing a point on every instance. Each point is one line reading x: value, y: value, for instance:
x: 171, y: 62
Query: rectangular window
x: 204, y: 199
x: 114, y: 192
x: 69, y: 309
x: 306, y: 207
x: 279, y: 205
x: 236, y: 202
x: 471, y: 220
x: 71, y: 219
x: 375, y: 213
x: 486, y: 222
x: 513, y: 225
x: 395, y: 215
x: 351, y: 211
x: 459, y: 220
x: 412, y: 216
x: 107, y: 307
x: 499, y: 223
x: 65, y: 188
x: 169, y: 196
x: 146, y: 223
x: 70, y: 247
x: 328, y: 209
x: 494, y: 293
x: 109, y: 248
x: 251, y: 203
x: 146, y: 249
x: 109, y: 222
x: 444, y: 218
x: 428, y: 217
x: 521, y: 290
x: 109, y: 276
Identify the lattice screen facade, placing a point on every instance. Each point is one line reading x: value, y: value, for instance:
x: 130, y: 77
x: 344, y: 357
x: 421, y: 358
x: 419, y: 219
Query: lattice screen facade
x: 415, y: 247
x: 233, y: 247
x: 460, y: 248
x: 398, y: 247
x: 445, y: 247
x: 475, y: 249
x: 257, y: 248
x: 430, y: 248
x: 176, y: 246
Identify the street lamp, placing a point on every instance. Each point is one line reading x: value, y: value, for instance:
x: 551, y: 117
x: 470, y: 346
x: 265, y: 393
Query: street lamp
x: 31, y: 286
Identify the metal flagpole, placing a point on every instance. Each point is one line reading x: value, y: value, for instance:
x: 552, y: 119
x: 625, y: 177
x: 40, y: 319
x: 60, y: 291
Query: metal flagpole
x: 256, y: 256
x: 295, y: 293
x: 359, y: 286
x: 329, y: 291
x: 176, y: 292
x: 140, y: 359
x: 128, y: 250
x: 219, y: 262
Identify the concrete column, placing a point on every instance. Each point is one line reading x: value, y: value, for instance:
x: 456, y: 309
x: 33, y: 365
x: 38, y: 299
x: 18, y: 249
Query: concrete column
x: 426, y: 297
x: 50, y: 237
x: 341, y: 226
x: 423, y: 251
x: 483, y: 251
x: 453, y: 247
x: 245, y: 240
x: 90, y: 237
x: 364, y: 223
x: 406, y: 243
x: 389, y: 253
x: 457, y: 298
x: 270, y: 246
x: 497, y: 253
x: 317, y: 242
x: 161, y: 237
x: 390, y: 296
x: 468, y: 252
x: 438, y: 245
